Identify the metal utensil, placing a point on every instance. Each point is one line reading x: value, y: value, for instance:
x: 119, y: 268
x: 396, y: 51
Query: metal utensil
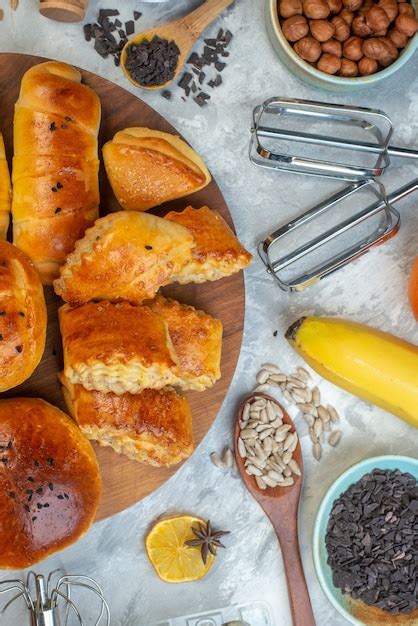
x: 319, y: 139
x: 312, y: 251
x: 46, y: 608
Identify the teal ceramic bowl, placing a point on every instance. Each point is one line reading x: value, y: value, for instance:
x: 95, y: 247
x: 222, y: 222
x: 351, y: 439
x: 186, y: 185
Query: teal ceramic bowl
x: 319, y: 79
x: 353, y: 474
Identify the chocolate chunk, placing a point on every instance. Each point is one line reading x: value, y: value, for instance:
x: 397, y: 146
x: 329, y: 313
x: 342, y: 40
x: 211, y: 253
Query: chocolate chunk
x: 129, y: 27
x: 166, y: 94
x: 199, y: 100
x: 108, y: 12
x: 185, y: 80
x: 137, y: 15
x: 220, y: 66
x: 118, y: 23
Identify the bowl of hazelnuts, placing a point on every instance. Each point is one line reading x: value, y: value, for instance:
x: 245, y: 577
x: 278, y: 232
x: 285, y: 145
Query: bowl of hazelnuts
x: 343, y: 45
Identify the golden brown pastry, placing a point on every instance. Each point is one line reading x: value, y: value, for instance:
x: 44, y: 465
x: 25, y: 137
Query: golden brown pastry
x: 153, y: 427
x: 23, y: 317
x: 217, y: 251
x: 55, y: 165
x: 5, y: 191
x: 197, y: 340
x: 117, y: 347
x: 49, y: 482
x: 148, y: 167
x: 124, y: 256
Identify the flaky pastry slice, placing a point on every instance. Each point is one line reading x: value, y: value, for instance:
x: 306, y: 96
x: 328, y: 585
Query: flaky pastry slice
x: 217, y: 251
x: 119, y: 348
x: 5, y: 192
x: 148, y: 167
x: 197, y: 340
x: 124, y: 256
x: 153, y: 427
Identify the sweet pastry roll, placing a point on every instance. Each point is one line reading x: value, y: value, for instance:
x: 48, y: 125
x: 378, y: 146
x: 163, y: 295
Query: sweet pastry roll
x: 49, y: 482
x: 148, y: 167
x: 124, y: 256
x: 23, y: 317
x: 55, y: 165
x: 5, y: 192
x: 217, y: 251
x: 197, y: 340
x: 119, y: 348
x: 153, y: 427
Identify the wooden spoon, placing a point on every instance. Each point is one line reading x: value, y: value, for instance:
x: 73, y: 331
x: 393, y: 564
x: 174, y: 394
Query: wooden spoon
x: 184, y: 32
x: 281, y: 505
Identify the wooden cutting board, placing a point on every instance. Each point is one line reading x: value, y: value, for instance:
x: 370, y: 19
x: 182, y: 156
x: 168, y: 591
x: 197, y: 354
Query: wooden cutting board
x: 124, y: 481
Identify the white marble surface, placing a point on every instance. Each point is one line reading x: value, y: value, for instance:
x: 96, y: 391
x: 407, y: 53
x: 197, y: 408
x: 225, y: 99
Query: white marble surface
x: 373, y: 290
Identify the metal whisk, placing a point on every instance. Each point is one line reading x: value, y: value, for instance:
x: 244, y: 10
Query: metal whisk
x: 54, y: 607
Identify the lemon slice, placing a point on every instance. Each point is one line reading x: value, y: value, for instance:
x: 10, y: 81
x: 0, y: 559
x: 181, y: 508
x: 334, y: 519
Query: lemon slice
x: 173, y: 561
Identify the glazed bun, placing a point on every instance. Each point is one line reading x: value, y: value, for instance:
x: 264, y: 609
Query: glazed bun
x: 23, y: 317
x: 49, y: 482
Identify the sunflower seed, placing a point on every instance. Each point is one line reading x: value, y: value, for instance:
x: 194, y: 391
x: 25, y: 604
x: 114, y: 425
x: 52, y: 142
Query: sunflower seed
x: 252, y: 470
x: 248, y: 433
x: 280, y: 449
x: 277, y: 423
x: 260, y: 463
x: 304, y: 374
x: 227, y: 458
x: 275, y: 466
x: 333, y: 414
x: 289, y: 441
x: 279, y: 461
x: 262, y: 376
x: 281, y: 433
x: 259, y: 450
x: 288, y: 482
x: 260, y: 483
x: 242, y: 424
x: 268, y: 446
x: 278, y: 378
x: 273, y: 369
x: 249, y: 443
x: 316, y: 396
x: 258, y: 404
x: 296, y: 381
x: 287, y: 472
x: 318, y: 427
x: 313, y: 435
x: 317, y: 451
x: 299, y: 395
x: 287, y: 455
x: 323, y: 414
x: 275, y: 476
x: 327, y: 426
x: 241, y: 448
x: 261, y: 388
x: 265, y: 433
x: 270, y: 482
x: 309, y: 419
x: 246, y: 412
x: 214, y: 457
x: 294, y: 467
x: 293, y: 445
x: 334, y: 438
x: 264, y: 416
x: 271, y: 413
x: 260, y: 427
x: 288, y: 396
x: 277, y: 410
x: 305, y: 407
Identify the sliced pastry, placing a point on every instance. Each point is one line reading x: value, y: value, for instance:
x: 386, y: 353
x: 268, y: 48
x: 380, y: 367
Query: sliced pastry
x: 217, y: 251
x: 124, y: 256
x: 148, y: 167
x: 5, y: 192
x: 197, y: 340
x: 121, y: 348
x: 153, y: 427
x: 23, y: 317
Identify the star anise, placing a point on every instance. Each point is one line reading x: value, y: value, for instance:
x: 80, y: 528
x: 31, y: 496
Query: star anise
x: 207, y: 538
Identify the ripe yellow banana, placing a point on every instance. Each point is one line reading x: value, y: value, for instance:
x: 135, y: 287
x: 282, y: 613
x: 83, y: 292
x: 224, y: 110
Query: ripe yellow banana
x: 369, y: 363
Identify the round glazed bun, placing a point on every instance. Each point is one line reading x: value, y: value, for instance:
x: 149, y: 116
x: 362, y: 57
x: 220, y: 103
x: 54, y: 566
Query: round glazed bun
x: 22, y: 317
x: 49, y: 482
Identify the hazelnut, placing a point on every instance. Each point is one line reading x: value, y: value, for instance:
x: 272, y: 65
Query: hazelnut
x: 294, y: 28
x: 335, y: 6
x: 329, y: 63
x: 353, y: 48
x: 322, y: 30
x: 288, y: 8
x: 342, y: 29
x: 377, y: 19
x: 333, y: 47
x: 375, y: 48
x: 348, y: 68
x: 316, y: 9
x: 397, y: 38
x: 392, y: 53
x: 308, y: 48
x: 390, y: 7
x: 406, y: 9
x: 367, y: 66
x: 407, y: 24
x: 352, y: 5
x: 359, y: 26
x: 347, y: 15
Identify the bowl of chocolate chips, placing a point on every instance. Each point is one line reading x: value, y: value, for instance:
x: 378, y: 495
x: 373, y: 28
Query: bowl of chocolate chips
x: 365, y: 542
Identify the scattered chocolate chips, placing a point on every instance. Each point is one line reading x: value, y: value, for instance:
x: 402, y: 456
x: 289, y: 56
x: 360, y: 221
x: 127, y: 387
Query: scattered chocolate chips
x: 57, y: 210
x: 19, y: 349
x: 105, y: 42
x: 2, y: 313
x: 52, y: 126
x: 152, y: 63
x: 50, y: 461
x: 148, y: 247
x: 1, y: 337
x: 372, y: 541
x: 166, y: 94
x: 21, y: 314
x: 59, y: 185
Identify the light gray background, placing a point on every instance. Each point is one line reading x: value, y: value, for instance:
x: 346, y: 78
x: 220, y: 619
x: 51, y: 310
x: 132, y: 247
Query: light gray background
x: 373, y: 290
